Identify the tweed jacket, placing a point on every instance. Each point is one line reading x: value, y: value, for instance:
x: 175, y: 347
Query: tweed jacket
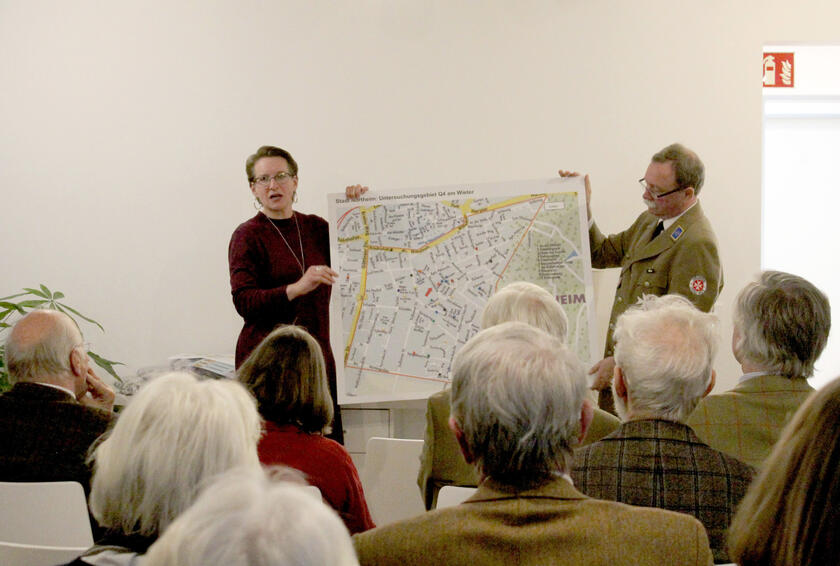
x: 746, y: 422
x: 46, y: 434
x: 553, y: 524
x: 682, y: 259
x: 659, y: 463
x: 441, y: 462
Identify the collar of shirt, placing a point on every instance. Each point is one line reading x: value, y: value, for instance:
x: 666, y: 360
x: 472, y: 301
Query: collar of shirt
x: 60, y: 388
x: 752, y: 374
x: 668, y: 222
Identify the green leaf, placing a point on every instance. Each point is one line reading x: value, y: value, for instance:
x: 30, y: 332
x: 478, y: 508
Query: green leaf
x: 36, y: 292
x: 32, y: 303
x: 13, y: 296
x: 45, y: 290
x: 107, y: 365
x: 62, y: 306
x: 11, y: 307
x: 58, y: 295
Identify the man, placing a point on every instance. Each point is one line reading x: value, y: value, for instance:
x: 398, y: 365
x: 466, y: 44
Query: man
x: 517, y: 409
x: 441, y: 462
x: 664, y: 353
x: 57, y: 406
x: 781, y: 326
x: 670, y: 248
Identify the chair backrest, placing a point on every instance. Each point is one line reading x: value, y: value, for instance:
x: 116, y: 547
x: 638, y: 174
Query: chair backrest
x: 389, y: 479
x: 44, y: 514
x: 13, y: 554
x: 451, y: 495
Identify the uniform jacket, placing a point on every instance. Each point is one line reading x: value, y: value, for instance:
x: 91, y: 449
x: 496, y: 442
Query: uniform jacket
x: 553, y: 524
x: 658, y: 463
x: 682, y: 259
x: 46, y: 434
x: 746, y: 422
x: 441, y: 462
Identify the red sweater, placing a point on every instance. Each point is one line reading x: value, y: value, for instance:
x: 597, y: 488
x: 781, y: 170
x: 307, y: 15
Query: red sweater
x: 326, y: 465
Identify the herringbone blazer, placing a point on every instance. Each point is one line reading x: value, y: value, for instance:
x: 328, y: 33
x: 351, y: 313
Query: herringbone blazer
x: 747, y: 421
x: 554, y: 524
x: 659, y: 463
x: 46, y: 434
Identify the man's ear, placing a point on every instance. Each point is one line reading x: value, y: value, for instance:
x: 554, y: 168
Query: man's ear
x: 587, y: 413
x: 462, y: 441
x: 619, y: 385
x: 78, y: 363
x: 711, y: 384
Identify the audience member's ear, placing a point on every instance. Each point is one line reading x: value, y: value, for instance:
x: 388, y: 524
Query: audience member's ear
x: 619, y: 385
x: 587, y: 412
x: 462, y: 442
x: 711, y: 384
x: 78, y: 362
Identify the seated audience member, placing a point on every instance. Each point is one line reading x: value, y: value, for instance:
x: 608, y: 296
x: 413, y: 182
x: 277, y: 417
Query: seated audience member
x: 57, y: 406
x: 175, y: 433
x: 286, y: 374
x: 664, y: 352
x: 781, y: 325
x: 246, y: 519
x: 789, y: 516
x: 441, y: 462
x: 517, y: 410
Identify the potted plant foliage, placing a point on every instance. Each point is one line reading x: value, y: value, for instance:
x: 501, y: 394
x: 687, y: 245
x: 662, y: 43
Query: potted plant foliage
x: 19, y: 304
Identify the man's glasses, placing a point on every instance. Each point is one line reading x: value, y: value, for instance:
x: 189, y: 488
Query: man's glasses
x: 264, y: 181
x: 654, y: 194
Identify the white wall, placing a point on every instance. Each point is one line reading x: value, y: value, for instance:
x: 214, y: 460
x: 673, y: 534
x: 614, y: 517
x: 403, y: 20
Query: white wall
x: 124, y: 127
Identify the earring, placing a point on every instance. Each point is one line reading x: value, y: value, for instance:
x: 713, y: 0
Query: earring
x: 295, y: 197
x: 257, y: 203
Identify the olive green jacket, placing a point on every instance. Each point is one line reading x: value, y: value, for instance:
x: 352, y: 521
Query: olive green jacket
x: 683, y: 259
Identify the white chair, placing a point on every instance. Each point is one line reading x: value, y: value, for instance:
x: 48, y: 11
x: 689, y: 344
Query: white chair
x: 44, y: 514
x: 451, y: 495
x: 13, y: 554
x: 390, y: 479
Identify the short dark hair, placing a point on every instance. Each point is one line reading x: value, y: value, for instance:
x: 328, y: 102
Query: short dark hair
x: 287, y: 375
x: 783, y: 321
x: 688, y: 169
x: 269, y: 151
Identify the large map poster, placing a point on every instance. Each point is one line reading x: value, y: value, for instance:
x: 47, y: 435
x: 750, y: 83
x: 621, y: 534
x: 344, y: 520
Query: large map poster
x: 417, y: 266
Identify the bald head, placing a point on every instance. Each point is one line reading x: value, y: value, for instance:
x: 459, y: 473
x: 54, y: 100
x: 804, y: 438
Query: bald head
x: 41, y: 347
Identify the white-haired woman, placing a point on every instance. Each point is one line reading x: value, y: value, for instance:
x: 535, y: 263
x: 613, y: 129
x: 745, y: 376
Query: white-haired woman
x: 245, y: 519
x: 174, y: 435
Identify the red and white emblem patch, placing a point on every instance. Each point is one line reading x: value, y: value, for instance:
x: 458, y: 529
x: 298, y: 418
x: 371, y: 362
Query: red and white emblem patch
x: 697, y: 284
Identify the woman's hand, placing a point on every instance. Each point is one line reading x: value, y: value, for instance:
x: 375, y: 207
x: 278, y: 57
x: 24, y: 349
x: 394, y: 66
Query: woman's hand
x: 315, y: 275
x: 355, y: 191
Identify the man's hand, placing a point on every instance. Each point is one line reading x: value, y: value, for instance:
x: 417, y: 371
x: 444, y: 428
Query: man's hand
x: 355, y: 191
x: 315, y: 275
x: 98, y: 394
x: 586, y: 184
x: 603, y: 372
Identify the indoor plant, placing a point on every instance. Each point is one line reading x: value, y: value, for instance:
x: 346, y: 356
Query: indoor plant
x: 40, y: 298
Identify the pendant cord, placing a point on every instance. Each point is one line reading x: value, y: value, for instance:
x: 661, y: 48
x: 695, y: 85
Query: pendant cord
x: 302, y: 261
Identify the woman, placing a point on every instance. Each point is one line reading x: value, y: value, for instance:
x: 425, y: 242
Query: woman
x: 280, y: 262
x: 791, y: 513
x: 276, y: 523
x: 174, y: 435
x: 286, y: 375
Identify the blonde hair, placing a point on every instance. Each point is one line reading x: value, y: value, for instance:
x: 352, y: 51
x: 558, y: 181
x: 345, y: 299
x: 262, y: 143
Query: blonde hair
x: 788, y: 517
x: 173, y: 435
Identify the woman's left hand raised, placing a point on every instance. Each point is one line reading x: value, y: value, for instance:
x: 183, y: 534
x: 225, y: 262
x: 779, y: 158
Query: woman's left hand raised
x: 314, y: 276
x: 355, y: 191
